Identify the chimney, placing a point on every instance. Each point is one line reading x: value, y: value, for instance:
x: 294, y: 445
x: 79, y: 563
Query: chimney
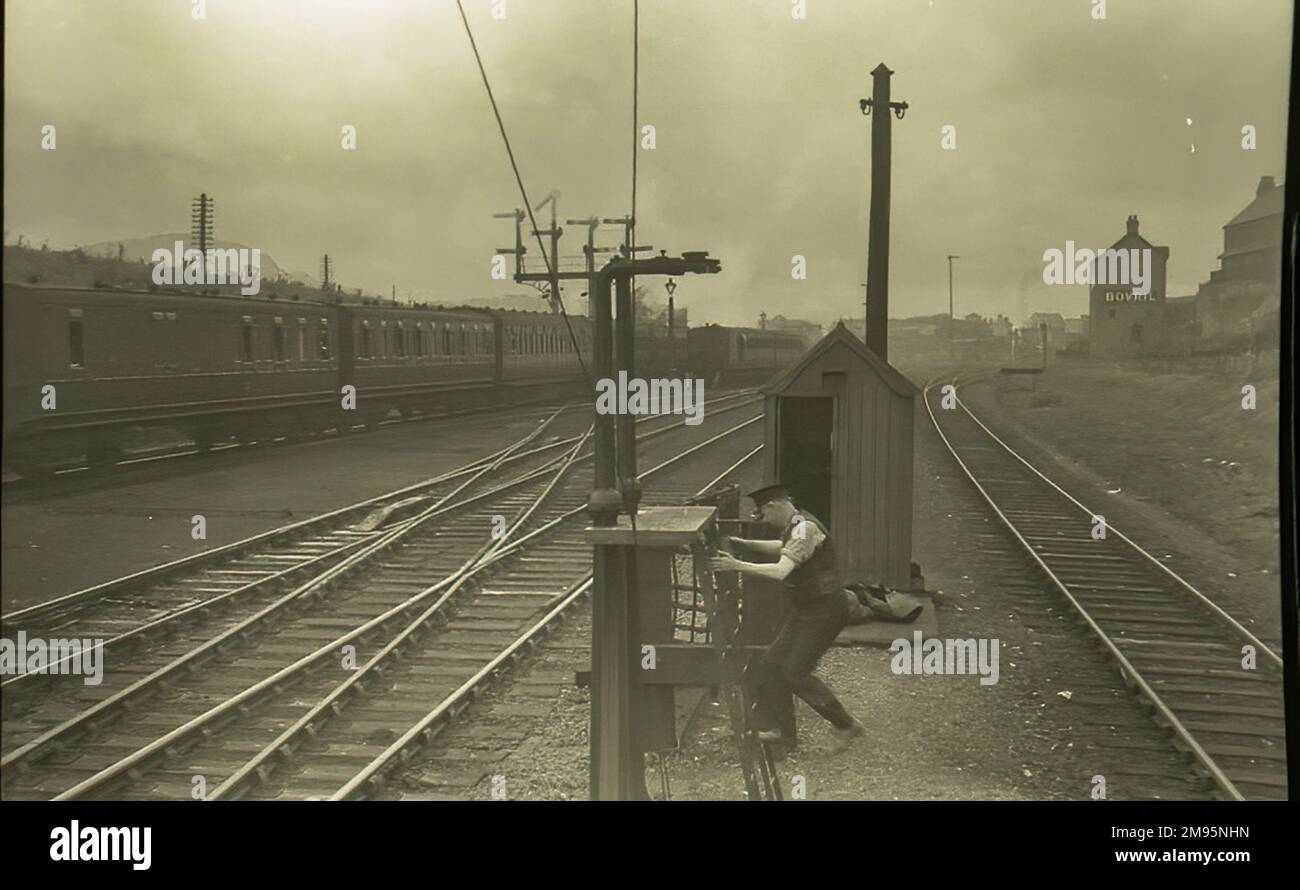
x: 1132, y: 224
x: 1266, y: 184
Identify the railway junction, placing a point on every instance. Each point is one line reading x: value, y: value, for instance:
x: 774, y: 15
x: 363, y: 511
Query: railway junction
x: 418, y: 552
x: 434, y: 642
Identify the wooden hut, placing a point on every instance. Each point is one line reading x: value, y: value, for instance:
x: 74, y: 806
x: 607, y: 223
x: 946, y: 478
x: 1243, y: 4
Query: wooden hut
x: 838, y: 434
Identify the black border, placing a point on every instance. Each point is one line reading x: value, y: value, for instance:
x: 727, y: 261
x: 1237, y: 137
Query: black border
x: 1286, y: 428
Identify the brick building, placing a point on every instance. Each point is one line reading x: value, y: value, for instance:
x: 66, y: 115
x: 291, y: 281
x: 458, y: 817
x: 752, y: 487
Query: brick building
x: 1243, y: 296
x: 1121, y: 321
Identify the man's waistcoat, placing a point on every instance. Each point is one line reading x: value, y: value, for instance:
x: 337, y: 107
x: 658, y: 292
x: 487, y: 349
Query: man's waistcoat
x: 816, y: 577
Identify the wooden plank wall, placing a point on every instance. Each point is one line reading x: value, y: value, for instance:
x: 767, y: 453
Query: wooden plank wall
x: 872, y: 476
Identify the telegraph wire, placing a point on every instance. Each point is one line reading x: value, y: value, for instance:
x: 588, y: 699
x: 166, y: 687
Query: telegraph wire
x: 550, y: 269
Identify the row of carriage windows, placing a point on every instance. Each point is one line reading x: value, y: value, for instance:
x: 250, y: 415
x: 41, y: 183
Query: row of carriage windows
x: 307, y: 342
x: 540, y: 341
x: 417, y: 340
x: 300, y: 343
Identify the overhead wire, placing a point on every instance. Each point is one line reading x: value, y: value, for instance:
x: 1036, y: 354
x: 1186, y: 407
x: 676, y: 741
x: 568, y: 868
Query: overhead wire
x: 551, y: 269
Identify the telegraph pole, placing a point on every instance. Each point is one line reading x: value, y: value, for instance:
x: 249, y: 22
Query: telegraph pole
x: 326, y: 273
x: 201, y: 218
x: 877, y: 334
x: 951, y: 257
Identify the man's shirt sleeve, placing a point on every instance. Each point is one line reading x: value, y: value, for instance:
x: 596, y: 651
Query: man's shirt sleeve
x: 805, y: 537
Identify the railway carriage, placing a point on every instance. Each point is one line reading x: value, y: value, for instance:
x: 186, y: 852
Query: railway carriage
x: 82, y: 367
x: 740, y: 355
x: 413, y: 359
x: 538, y: 347
x: 85, y: 369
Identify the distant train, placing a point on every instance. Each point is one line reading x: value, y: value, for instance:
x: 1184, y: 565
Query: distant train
x: 743, y: 355
x: 85, y: 367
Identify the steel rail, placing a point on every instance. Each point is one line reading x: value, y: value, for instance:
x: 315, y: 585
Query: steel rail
x: 140, y: 756
x: 240, y: 700
x: 1216, y: 773
x: 56, y: 607
x: 728, y: 471
x: 457, y: 700
x: 377, y: 539
x: 307, y: 722
x: 1205, y: 601
x: 314, y: 586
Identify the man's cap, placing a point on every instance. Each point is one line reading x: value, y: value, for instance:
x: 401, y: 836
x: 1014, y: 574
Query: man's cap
x: 761, y: 496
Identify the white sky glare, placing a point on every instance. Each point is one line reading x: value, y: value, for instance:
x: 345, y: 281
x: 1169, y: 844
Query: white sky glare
x: 1065, y: 125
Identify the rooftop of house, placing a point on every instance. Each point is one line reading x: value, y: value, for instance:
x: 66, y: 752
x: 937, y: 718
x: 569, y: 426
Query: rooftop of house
x: 1267, y: 202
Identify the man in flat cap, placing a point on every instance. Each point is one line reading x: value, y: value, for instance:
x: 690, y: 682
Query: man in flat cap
x: 819, y: 610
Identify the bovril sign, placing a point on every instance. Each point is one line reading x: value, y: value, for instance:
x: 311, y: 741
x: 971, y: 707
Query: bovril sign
x: 1123, y: 296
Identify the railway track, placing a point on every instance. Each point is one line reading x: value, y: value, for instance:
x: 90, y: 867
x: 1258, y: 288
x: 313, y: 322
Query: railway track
x: 233, y: 695
x: 150, y: 603
x: 1175, y: 648
x: 176, y: 453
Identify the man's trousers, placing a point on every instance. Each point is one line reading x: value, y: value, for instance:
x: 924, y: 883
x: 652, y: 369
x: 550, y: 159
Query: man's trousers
x: 788, y: 665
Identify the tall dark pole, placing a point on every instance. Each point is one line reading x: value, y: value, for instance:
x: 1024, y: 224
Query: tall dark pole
x: 617, y: 763
x: 625, y: 362
x: 555, y: 258
x: 951, y: 257
x: 604, y: 502
x: 612, y: 767
x: 201, y: 225
x: 877, y: 310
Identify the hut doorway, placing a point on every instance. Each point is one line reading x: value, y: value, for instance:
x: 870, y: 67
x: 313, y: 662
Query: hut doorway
x: 807, y: 430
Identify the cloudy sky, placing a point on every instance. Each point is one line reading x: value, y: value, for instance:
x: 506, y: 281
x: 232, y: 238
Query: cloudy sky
x: 1065, y: 124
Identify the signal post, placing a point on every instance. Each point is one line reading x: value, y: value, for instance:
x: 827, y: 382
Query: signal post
x: 625, y: 719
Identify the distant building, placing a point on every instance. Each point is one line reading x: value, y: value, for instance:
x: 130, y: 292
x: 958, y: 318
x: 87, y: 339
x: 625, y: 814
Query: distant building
x: 807, y: 331
x: 1121, y: 321
x: 1077, y: 326
x: 655, y: 323
x: 1055, y: 322
x: 1244, y: 294
x: 920, y: 326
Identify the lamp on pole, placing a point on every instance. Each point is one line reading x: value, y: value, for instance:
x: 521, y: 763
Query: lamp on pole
x: 671, y: 287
